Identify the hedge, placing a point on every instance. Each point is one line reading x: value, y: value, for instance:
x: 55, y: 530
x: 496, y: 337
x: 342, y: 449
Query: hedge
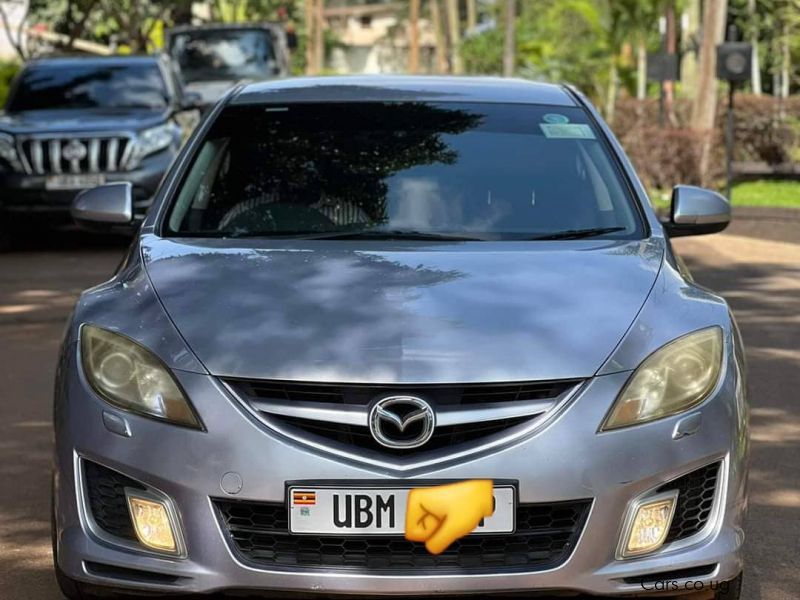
x: 766, y: 129
x: 8, y: 70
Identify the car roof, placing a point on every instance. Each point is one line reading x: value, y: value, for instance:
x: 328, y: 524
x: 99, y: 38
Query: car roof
x: 391, y: 88
x: 76, y: 61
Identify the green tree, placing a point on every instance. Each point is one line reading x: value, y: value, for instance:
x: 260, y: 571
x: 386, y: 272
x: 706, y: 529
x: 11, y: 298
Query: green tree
x: 773, y: 27
x: 634, y: 22
x: 556, y: 40
x: 8, y: 70
x: 564, y: 40
x: 137, y: 25
x: 133, y: 23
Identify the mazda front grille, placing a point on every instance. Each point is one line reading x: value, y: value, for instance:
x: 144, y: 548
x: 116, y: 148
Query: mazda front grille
x: 468, y: 417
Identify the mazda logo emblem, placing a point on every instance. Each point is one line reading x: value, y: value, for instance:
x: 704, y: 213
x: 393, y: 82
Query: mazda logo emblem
x: 401, y: 422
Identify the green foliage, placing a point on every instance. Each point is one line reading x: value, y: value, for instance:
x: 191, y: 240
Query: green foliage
x: 565, y: 40
x: 8, y: 69
x: 274, y: 10
x: 135, y: 24
x: 775, y: 23
x: 783, y: 194
x: 484, y: 53
x: 239, y: 11
x: 767, y: 193
x: 138, y: 24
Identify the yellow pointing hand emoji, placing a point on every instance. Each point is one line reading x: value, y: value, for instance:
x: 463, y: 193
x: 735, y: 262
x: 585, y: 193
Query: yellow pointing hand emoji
x: 440, y: 515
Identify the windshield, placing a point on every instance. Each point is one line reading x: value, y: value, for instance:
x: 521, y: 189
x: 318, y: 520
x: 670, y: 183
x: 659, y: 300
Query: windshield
x: 55, y: 86
x: 223, y: 55
x: 475, y: 171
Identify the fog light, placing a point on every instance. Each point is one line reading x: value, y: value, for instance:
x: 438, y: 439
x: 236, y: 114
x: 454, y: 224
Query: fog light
x: 151, y: 521
x: 648, y: 524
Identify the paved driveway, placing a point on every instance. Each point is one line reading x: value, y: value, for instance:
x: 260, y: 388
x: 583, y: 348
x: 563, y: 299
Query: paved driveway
x: 761, y: 280
x: 37, y: 289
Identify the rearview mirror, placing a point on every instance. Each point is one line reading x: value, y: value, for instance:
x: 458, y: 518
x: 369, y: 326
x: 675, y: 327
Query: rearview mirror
x: 697, y: 211
x: 104, y: 207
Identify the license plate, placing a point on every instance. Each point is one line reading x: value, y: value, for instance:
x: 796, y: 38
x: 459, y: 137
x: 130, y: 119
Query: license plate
x: 73, y: 182
x: 375, y: 511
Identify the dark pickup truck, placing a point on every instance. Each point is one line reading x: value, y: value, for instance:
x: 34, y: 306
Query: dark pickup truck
x: 212, y: 58
x: 74, y: 123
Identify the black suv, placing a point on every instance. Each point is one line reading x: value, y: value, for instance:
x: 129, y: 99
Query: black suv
x: 212, y: 58
x: 74, y: 123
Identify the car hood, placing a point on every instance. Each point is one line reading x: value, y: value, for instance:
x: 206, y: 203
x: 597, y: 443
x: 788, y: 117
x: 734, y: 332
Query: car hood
x: 79, y: 121
x: 402, y: 312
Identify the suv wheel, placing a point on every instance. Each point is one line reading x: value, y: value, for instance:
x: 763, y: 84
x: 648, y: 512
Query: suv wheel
x: 6, y: 238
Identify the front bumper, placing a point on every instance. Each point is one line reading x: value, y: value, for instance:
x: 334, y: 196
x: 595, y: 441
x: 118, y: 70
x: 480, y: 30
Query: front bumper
x: 25, y: 196
x: 567, y: 460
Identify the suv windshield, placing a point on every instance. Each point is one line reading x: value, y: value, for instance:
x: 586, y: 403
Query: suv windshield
x: 474, y: 171
x: 57, y: 86
x: 223, y: 55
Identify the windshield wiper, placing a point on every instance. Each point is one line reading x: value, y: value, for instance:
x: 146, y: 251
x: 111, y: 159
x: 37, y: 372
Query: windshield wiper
x: 576, y: 234
x: 392, y: 234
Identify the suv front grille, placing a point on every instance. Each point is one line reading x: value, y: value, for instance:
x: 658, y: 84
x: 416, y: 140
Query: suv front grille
x: 545, y: 536
x: 75, y: 155
x: 336, y: 415
x: 105, y: 490
x: 696, y: 493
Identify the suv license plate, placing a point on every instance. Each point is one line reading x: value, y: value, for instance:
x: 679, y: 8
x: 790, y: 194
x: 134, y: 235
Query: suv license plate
x: 73, y: 182
x: 375, y: 511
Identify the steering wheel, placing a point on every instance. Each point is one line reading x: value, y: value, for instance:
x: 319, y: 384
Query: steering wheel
x: 266, y: 215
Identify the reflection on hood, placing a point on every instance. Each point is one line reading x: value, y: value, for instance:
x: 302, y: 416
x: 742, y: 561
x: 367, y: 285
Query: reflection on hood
x: 392, y: 312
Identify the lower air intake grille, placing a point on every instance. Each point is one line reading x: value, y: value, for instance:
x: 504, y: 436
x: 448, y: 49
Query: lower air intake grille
x: 105, y: 490
x: 696, y: 493
x: 546, y: 535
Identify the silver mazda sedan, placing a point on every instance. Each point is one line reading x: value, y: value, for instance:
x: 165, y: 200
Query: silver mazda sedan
x: 350, y: 287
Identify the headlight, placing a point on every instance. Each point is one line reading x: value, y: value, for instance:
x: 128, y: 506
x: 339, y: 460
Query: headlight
x: 153, y: 140
x: 132, y: 378
x: 8, y: 151
x: 673, y: 379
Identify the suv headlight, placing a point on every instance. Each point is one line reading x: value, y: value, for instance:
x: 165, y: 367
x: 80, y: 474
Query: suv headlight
x: 131, y: 377
x: 153, y: 140
x: 673, y: 379
x: 8, y: 151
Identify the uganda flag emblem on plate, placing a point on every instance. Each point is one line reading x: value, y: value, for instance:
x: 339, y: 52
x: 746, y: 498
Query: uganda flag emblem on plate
x: 304, y: 498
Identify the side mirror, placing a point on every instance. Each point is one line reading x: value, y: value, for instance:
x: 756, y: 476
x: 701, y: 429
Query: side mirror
x: 104, y: 207
x: 697, y: 211
x: 191, y: 101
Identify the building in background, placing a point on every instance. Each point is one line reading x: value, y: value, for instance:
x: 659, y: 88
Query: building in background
x: 374, y: 38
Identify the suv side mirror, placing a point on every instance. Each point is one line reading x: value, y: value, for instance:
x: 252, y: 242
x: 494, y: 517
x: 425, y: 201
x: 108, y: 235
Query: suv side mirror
x: 104, y: 207
x: 191, y: 101
x: 697, y: 211
x: 291, y: 40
